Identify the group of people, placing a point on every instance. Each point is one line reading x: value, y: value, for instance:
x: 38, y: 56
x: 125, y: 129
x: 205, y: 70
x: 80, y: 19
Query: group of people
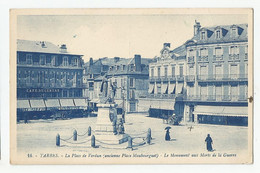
x: 208, y: 139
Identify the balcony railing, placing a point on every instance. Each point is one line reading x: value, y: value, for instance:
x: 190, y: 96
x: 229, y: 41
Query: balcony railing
x: 190, y: 78
x: 223, y: 77
x: 203, y: 58
x: 48, y: 85
x: 216, y: 98
x: 161, y: 96
x: 191, y: 59
x: 217, y: 57
x: 233, y: 57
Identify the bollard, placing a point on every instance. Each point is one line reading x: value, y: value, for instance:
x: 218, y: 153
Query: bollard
x: 75, y: 135
x: 89, y: 131
x: 93, y: 143
x: 130, y: 142
x: 58, y: 140
x: 149, y: 136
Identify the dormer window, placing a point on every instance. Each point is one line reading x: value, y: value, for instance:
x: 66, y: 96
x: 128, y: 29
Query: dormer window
x: 218, y: 34
x: 65, y: 61
x: 234, y: 31
x: 203, y: 35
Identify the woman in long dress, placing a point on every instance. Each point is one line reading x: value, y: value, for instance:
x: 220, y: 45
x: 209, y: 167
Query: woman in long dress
x: 167, y: 135
x: 209, y: 142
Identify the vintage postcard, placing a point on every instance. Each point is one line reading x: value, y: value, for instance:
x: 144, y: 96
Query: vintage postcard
x: 131, y: 86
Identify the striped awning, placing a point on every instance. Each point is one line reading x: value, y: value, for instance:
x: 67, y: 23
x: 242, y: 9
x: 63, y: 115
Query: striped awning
x: 23, y: 104
x: 237, y: 111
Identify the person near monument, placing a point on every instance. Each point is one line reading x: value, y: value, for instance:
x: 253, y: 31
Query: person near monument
x: 209, y: 143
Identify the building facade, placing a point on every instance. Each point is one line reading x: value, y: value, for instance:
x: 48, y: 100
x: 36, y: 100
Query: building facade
x: 47, y: 77
x: 166, y: 82
x: 217, y: 75
x: 205, y: 80
x: 131, y: 76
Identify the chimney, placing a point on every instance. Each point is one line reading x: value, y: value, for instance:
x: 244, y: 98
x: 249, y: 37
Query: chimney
x: 196, y: 27
x: 91, y: 61
x: 116, y: 59
x: 166, y: 45
x: 137, y: 62
x: 43, y: 44
x: 63, y: 48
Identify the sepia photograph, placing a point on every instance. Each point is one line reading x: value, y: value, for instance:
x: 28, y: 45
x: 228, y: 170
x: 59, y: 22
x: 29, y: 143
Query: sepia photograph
x: 131, y: 86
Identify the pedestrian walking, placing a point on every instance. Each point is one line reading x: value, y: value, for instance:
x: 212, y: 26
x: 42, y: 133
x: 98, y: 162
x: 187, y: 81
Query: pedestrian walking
x: 167, y: 135
x: 209, y: 143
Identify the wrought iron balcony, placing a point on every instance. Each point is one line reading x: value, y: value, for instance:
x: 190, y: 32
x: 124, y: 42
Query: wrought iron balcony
x: 161, y: 96
x: 223, y: 77
x: 191, y: 59
x: 217, y: 57
x: 233, y: 57
x: 216, y: 98
x: 190, y: 78
x: 180, y: 78
x: 203, y: 58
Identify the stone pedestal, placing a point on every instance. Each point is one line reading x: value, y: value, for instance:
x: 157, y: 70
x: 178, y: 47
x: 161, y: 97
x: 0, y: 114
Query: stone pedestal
x: 104, y: 126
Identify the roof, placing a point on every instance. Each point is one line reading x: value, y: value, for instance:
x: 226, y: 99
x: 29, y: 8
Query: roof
x: 40, y: 47
x: 225, y: 37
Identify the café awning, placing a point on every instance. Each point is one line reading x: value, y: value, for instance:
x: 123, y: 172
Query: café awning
x: 52, y: 103
x: 23, y: 104
x: 67, y: 103
x: 80, y: 102
x: 236, y: 111
x: 39, y: 103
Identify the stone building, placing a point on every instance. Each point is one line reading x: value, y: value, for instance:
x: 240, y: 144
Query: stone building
x: 205, y: 80
x: 48, y: 77
x: 217, y: 75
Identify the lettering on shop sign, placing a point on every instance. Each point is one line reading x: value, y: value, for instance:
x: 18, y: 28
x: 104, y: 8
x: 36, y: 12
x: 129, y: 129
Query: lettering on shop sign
x: 42, y: 90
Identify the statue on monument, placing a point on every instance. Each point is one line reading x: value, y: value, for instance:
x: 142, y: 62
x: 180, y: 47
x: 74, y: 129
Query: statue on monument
x: 108, y: 91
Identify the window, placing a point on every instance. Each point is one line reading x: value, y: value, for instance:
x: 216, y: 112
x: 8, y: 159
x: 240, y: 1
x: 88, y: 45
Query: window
x: 53, y: 60
x: 218, y: 51
x: 234, y: 50
x: 152, y: 72
x: 28, y: 59
x: 246, y: 52
x: 191, y: 53
x: 203, y: 35
x: 132, y: 94
x: 218, y: 34
x: 65, y: 61
x: 123, y: 67
x: 131, y: 82
x: 234, y: 32
x: 165, y: 71
x: 203, y: 52
x: 181, y: 71
x: 159, y: 72
x: 191, y: 70
x: 75, y: 62
x: 173, y: 71
x: 42, y: 59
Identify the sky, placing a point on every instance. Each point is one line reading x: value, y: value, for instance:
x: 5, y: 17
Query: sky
x: 100, y: 36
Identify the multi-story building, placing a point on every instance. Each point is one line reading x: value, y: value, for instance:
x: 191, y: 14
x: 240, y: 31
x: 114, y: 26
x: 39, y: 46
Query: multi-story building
x: 131, y: 76
x: 205, y: 80
x: 48, y: 77
x: 217, y: 75
x: 166, y: 82
x: 94, y: 69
